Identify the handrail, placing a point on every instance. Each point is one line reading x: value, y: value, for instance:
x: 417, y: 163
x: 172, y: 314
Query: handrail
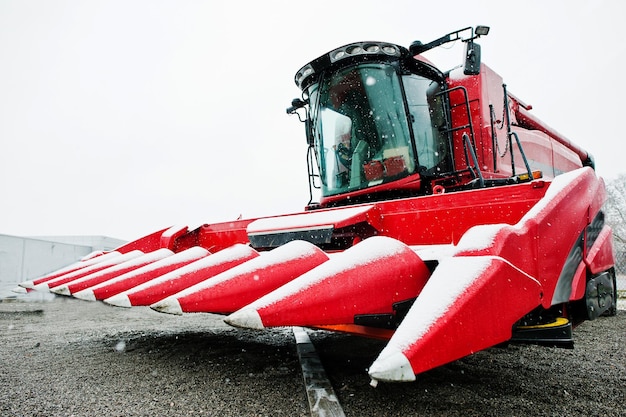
x: 448, y: 113
x: 510, y: 134
x: 521, y: 150
x: 467, y: 144
x: 310, y: 154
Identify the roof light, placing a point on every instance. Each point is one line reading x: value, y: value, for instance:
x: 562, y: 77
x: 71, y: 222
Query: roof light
x: 364, y: 48
x: 355, y: 50
x: 337, y: 55
x: 391, y: 50
x: 482, y: 30
x: 381, y: 50
x: 304, y: 72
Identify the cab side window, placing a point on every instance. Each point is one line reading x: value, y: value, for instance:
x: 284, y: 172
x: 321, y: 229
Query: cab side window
x: 428, y: 122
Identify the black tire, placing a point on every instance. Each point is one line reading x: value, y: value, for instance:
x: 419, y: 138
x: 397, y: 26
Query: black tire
x: 612, y: 311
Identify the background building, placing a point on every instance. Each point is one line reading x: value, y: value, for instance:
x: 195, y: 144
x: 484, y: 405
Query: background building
x: 24, y: 258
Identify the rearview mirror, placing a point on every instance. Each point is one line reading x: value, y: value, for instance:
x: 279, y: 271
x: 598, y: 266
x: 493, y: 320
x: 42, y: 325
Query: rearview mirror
x: 472, y: 59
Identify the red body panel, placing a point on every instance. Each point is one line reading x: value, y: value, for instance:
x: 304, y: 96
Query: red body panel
x: 444, y: 218
x: 545, y: 148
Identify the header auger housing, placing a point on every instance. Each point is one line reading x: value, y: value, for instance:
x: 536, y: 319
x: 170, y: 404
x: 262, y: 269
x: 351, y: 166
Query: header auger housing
x: 450, y: 220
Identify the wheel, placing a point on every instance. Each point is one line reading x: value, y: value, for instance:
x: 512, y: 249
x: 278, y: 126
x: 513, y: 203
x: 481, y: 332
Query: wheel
x: 612, y: 311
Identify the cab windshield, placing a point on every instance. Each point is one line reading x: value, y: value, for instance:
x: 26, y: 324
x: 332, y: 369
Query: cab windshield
x: 362, y: 136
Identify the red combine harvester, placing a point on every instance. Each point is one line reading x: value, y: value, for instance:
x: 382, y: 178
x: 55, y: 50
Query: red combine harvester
x: 450, y: 220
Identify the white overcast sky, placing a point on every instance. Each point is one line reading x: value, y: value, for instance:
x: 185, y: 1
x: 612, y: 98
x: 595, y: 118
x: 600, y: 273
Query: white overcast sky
x: 119, y: 118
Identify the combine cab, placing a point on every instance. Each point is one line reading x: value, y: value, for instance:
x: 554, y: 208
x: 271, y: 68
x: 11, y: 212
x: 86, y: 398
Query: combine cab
x: 450, y: 220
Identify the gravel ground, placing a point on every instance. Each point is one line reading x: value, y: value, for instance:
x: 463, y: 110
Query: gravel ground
x: 67, y: 357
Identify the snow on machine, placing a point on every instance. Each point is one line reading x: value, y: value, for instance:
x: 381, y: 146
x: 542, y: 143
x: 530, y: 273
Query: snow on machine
x: 450, y: 220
